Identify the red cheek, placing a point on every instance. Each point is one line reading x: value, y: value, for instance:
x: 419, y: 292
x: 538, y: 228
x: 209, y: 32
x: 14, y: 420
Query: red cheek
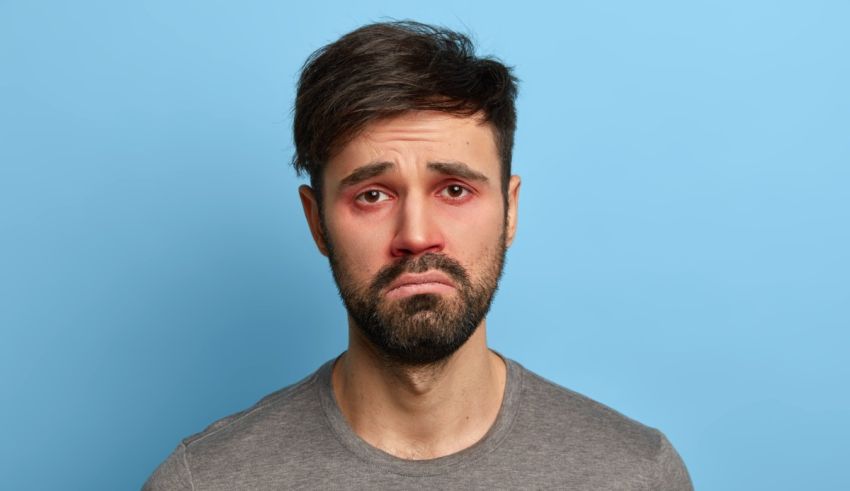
x: 360, y: 207
x: 470, y: 210
x: 361, y: 223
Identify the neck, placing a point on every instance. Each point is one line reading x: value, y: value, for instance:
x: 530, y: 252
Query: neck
x: 420, y: 412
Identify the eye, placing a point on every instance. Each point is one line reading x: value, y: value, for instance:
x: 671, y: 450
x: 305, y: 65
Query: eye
x: 372, y: 196
x: 454, y: 191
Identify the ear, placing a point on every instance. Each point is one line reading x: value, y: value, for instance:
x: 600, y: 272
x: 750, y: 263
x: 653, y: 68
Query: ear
x: 313, y: 216
x: 513, y: 206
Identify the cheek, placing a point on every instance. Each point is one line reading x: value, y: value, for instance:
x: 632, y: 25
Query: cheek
x: 360, y: 246
x: 473, y: 231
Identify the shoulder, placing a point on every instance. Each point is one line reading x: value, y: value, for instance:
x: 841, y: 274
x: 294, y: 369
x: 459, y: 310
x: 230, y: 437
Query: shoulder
x: 555, y: 420
x: 565, y: 411
x: 268, y: 430
x: 276, y: 409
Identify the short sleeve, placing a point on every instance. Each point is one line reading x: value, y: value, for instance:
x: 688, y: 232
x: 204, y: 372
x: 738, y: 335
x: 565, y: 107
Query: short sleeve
x: 172, y: 474
x: 671, y: 473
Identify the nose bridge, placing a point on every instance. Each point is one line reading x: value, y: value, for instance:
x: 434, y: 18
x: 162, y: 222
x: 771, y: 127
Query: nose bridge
x: 417, y: 230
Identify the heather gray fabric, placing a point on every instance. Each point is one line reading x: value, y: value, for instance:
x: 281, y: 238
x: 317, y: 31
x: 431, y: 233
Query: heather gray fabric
x: 545, y: 437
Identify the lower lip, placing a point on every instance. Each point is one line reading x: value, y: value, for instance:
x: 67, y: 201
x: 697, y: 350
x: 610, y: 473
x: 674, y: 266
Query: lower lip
x: 418, y: 288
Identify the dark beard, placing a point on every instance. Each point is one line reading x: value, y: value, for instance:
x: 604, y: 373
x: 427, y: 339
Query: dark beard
x: 421, y: 329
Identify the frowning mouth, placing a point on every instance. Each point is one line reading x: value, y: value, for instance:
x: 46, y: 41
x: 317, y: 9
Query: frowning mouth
x: 414, y: 284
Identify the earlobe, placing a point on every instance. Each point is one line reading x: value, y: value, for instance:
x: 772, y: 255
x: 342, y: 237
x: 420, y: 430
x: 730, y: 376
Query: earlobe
x: 313, y: 215
x: 513, y: 208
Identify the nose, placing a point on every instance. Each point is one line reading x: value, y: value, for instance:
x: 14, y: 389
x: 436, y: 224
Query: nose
x: 417, y: 230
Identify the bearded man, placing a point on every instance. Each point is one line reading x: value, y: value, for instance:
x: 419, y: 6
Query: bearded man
x: 407, y: 138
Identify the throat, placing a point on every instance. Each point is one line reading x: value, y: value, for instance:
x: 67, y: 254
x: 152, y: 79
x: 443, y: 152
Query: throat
x: 417, y: 413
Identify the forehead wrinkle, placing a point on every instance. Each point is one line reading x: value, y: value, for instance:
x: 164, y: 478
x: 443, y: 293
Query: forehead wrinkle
x: 389, y: 135
x: 428, y: 126
x: 417, y: 138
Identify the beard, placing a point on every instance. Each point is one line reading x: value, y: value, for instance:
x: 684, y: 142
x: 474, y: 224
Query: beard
x: 421, y: 329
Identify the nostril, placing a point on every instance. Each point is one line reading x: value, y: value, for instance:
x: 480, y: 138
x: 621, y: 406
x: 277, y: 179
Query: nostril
x: 403, y: 247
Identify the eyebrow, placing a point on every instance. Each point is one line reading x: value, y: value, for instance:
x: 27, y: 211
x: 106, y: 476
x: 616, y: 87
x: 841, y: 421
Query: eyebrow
x: 457, y: 169
x: 374, y: 169
x: 365, y: 172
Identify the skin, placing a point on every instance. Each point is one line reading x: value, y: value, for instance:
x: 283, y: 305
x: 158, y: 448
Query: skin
x: 387, y: 195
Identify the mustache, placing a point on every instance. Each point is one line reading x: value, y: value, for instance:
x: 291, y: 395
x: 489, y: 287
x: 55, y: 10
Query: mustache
x: 421, y: 264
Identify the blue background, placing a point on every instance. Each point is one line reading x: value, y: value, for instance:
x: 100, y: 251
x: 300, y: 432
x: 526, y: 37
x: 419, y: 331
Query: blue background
x: 682, y: 252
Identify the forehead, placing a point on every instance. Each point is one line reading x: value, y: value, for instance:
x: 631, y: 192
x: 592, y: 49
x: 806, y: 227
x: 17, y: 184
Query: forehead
x: 419, y: 137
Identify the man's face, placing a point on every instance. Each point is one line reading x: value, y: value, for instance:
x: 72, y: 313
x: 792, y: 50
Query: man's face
x: 416, y: 229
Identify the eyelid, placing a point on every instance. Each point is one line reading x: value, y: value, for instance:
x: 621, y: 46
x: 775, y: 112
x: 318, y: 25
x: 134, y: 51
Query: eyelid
x: 469, y: 190
x: 359, y: 196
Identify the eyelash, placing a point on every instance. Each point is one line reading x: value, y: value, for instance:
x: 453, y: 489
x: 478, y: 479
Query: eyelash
x: 465, y: 191
x: 360, y: 198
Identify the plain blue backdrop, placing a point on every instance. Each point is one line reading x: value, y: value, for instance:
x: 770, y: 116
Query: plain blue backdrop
x: 682, y: 252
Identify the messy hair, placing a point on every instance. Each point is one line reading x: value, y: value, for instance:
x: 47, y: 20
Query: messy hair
x: 385, y: 69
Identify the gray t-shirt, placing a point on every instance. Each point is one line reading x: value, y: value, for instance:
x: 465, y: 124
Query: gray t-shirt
x: 545, y: 437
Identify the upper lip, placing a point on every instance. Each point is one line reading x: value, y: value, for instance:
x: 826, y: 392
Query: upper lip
x: 420, y: 278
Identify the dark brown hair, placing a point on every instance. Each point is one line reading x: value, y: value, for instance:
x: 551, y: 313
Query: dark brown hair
x: 385, y: 69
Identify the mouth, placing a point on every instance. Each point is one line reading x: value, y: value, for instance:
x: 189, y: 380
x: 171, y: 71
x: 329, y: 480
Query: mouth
x: 414, y: 284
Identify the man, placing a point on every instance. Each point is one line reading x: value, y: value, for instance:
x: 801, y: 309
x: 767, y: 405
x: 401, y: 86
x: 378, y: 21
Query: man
x: 407, y: 138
